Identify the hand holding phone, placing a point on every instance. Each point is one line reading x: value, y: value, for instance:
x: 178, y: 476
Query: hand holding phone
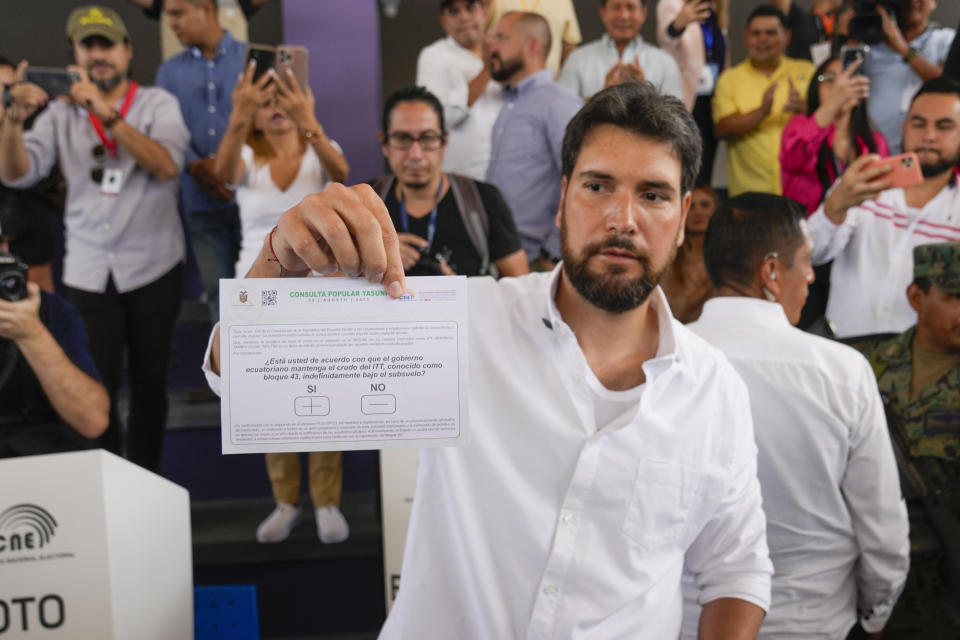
x: 55, y: 82
x: 904, y: 170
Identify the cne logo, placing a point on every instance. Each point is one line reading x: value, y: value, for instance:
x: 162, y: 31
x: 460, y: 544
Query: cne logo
x: 25, y: 527
x: 244, y: 296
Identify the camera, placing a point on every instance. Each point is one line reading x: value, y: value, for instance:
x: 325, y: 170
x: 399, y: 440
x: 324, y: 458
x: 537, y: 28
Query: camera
x: 431, y: 261
x: 13, y: 278
x: 866, y: 24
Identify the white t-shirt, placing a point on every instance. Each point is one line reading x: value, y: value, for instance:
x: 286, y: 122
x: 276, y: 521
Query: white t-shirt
x: 261, y: 201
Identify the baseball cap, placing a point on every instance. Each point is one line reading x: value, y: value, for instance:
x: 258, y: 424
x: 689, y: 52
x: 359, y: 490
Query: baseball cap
x: 96, y: 21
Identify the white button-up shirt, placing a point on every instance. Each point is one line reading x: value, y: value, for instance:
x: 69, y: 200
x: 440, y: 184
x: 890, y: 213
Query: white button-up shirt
x: 446, y: 68
x: 585, y: 71
x: 551, y: 526
x: 836, y: 521
x: 872, y: 253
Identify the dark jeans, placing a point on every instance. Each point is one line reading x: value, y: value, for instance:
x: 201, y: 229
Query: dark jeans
x: 215, y: 236
x: 141, y: 320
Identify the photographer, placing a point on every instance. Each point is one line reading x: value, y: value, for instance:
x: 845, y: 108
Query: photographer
x: 51, y: 399
x: 448, y: 224
x: 121, y: 148
x: 906, y: 50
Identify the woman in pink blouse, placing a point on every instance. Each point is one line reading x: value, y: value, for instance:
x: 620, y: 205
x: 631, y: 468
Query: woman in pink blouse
x: 836, y: 130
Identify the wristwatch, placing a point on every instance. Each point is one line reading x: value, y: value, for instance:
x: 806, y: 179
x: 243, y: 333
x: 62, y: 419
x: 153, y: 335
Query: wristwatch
x: 911, y: 54
x: 114, y: 118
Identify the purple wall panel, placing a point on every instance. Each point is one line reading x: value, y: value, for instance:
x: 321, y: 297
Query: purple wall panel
x: 343, y: 38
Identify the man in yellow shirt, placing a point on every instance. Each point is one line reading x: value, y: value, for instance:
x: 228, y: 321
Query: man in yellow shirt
x: 754, y: 101
x: 560, y: 15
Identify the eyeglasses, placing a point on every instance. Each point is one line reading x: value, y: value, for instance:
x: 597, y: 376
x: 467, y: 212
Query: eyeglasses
x: 429, y: 141
x: 99, y: 152
x: 826, y: 78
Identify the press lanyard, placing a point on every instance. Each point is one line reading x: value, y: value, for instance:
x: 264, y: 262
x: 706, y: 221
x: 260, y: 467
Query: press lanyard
x: 708, y: 35
x: 108, y: 142
x: 431, y: 225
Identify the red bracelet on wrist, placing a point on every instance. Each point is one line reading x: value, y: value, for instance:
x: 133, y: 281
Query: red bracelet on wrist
x: 272, y: 252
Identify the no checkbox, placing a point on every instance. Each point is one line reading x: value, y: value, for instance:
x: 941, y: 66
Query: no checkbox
x: 383, y: 403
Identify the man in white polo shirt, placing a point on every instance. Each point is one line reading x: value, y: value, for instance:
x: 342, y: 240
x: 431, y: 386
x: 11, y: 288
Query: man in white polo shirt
x: 454, y: 70
x: 869, y: 230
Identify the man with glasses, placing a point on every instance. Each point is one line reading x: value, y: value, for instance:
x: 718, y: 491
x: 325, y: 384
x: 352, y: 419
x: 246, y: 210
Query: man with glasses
x: 121, y: 148
x: 448, y: 224
x: 528, y: 134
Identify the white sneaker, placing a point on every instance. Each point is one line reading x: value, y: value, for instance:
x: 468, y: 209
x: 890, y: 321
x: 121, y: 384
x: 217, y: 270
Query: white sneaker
x: 279, y: 524
x: 331, y: 525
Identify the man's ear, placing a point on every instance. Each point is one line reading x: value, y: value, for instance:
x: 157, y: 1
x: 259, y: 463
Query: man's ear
x: 383, y: 143
x: 768, y: 276
x: 915, y: 296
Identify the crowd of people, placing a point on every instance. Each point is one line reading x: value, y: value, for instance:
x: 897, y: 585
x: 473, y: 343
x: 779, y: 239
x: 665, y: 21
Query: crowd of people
x: 665, y: 369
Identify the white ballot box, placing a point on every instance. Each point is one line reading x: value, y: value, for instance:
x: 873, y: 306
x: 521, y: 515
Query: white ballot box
x: 93, y: 547
x: 332, y: 364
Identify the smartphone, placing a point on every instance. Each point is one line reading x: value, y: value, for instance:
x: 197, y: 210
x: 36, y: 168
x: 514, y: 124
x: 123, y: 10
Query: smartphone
x: 264, y: 55
x: 904, y: 170
x: 850, y: 53
x: 293, y: 57
x: 56, y: 82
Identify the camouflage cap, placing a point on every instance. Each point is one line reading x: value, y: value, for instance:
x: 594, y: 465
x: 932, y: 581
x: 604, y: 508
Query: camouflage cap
x: 940, y: 264
x: 96, y: 21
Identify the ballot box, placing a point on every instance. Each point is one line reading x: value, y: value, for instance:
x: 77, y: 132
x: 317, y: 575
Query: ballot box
x: 93, y: 547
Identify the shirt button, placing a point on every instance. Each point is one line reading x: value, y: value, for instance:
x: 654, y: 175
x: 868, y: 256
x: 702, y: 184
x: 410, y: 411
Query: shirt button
x: 550, y: 590
x: 567, y: 518
x: 211, y: 86
x: 211, y: 132
x: 212, y: 109
x: 106, y: 225
x: 577, y: 378
x: 110, y: 254
x: 210, y: 63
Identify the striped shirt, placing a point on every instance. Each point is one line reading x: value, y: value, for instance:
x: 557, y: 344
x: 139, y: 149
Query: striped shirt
x: 872, y: 253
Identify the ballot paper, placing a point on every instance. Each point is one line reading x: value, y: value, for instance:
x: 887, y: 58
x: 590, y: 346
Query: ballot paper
x: 330, y: 364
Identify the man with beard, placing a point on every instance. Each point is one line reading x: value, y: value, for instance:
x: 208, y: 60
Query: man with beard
x: 611, y: 447
x: 454, y: 69
x: 525, y: 158
x: 913, y: 52
x: 869, y: 230
x: 120, y: 147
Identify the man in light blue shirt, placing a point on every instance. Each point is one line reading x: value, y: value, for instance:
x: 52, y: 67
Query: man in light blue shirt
x: 202, y: 77
x: 621, y: 55
x: 525, y: 155
x: 913, y: 53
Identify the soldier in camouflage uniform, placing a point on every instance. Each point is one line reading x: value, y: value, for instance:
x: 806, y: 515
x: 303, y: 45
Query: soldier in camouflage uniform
x: 918, y: 373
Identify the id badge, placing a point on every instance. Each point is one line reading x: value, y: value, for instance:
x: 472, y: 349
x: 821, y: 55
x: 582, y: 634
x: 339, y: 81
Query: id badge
x: 708, y: 79
x: 112, y: 182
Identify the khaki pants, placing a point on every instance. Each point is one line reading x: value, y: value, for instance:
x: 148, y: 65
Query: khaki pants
x: 326, y: 477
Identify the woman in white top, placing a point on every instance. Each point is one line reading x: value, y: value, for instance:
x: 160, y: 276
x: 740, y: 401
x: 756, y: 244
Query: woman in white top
x: 276, y: 153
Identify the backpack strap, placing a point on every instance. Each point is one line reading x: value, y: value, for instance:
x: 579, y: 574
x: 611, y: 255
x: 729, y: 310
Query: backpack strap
x: 475, y: 219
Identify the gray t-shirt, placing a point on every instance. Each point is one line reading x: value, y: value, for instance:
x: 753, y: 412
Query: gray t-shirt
x: 135, y: 235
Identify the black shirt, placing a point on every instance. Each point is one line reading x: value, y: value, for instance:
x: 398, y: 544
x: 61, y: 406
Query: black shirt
x: 451, y: 233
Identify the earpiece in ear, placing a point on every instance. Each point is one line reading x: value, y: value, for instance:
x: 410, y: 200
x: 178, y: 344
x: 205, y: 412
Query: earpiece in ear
x: 773, y: 276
